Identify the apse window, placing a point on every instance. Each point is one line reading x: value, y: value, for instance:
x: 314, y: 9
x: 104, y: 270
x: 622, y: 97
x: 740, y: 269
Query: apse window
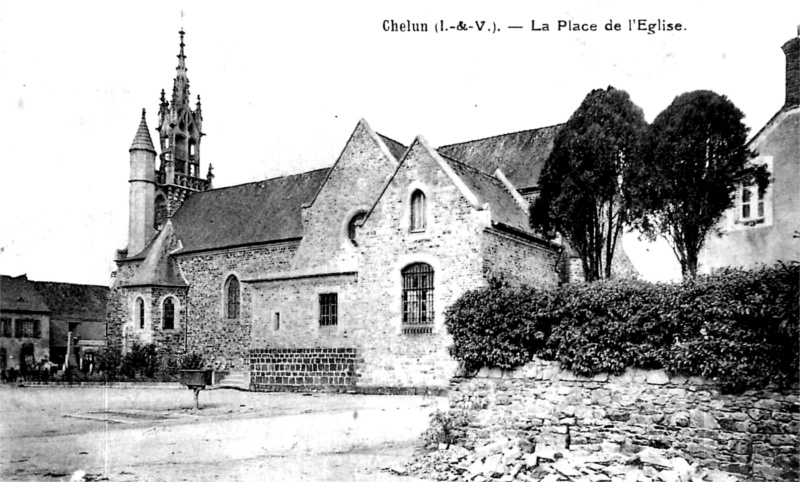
x: 169, y: 314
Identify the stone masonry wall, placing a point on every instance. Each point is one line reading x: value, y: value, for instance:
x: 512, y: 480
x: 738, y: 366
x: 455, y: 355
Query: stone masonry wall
x: 303, y: 368
x: 754, y: 433
x: 223, y: 341
x: 518, y: 261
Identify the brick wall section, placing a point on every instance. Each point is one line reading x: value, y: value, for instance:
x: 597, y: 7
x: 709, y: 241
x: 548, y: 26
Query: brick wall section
x: 309, y: 368
x: 517, y: 260
x: 755, y: 433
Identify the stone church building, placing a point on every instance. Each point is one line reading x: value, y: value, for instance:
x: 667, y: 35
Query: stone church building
x: 337, y: 277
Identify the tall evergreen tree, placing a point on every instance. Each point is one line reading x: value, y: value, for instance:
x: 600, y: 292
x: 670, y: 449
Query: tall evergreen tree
x: 584, y: 187
x: 695, y: 154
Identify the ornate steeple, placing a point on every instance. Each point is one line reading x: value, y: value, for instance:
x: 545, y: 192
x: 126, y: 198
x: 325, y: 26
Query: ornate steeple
x: 180, y: 131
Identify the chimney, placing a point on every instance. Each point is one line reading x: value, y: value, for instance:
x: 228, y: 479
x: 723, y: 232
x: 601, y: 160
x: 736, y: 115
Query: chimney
x: 792, y: 51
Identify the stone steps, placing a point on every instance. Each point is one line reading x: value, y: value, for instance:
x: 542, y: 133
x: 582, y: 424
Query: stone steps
x: 239, y: 380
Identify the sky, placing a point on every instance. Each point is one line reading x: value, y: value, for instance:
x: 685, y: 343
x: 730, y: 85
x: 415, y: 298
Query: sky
x: 283, y: 84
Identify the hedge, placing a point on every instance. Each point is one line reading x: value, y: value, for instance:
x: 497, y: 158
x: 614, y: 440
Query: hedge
x: 736, y: 327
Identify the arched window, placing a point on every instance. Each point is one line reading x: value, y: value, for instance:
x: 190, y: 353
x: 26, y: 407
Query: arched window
x: 354, y: 223
x: 417, y: 298
x: 139, y: 314
x: 232, y: 298
x: 418, y: 211
x: 169, y: 314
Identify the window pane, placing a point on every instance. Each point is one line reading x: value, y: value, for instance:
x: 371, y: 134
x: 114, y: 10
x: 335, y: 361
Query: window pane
x: 328, y: 309
x: 418, y: 295
x: 140, y: 307
x: 745, y: 211
x: 169, y: 314
x: 232, y: 308
x: 761, y: 208
x: 418, y: 211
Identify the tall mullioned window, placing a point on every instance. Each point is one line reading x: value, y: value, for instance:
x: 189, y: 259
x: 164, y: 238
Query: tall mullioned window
x: 232, y: 298
x: 417, y: 299
x: 418, y: 221
x: 169, y: 314
x: 328, y: 309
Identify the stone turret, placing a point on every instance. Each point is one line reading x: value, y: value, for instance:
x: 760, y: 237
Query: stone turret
x: 141, y: 189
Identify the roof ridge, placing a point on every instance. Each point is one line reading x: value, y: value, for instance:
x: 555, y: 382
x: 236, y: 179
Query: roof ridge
x: 71, y: 284
x: 475, y: 169
x: 216, y: 189
x: 389, y: 138
x: 500, y: 135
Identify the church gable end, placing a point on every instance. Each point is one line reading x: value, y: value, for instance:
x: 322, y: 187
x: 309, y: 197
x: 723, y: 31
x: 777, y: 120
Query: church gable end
x: 351, y: 187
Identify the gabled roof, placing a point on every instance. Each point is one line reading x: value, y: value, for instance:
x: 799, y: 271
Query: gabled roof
x: 506, y: 208
x: 520, y: 155
x: 159, y: 268
x: 503, y: 207
x: 253, y: 213
x: 19, y: 294
x: 74, y: 301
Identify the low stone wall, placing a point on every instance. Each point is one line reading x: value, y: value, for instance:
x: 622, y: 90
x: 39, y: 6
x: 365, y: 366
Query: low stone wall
x: 291, y: 369
x: 754, y: 433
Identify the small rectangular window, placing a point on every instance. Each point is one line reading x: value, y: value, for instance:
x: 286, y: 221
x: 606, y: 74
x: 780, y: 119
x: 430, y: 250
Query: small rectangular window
x: 328, y: 309
x: 276, y: 321
x: 27, y: 329
x: 6, y: 328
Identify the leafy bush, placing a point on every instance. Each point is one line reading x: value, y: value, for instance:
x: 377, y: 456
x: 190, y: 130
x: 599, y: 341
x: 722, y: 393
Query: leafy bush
x: 192, y: 361
x: 498, y: 325
x: 141, y: 360
x: 445, y: 427
x: 736, y: 327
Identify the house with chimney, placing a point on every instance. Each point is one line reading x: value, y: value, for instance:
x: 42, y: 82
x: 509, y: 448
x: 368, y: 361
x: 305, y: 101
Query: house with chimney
x: 763, y: 228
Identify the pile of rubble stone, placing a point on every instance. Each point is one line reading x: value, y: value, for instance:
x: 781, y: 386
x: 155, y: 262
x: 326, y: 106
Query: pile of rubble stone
x: 508, y: 460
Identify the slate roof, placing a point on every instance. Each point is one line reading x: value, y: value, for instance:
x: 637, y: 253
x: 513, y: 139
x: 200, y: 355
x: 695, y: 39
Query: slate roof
x: 159, y: 268
x: 489, y: 189
x: 520, y: 155
x: 395, y: 147
x: 19, y: 294
x: 257, y: 212
x: 142, y: 138
x: 74, y: 301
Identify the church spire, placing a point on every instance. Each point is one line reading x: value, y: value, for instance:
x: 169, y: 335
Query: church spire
x: 180, y: 90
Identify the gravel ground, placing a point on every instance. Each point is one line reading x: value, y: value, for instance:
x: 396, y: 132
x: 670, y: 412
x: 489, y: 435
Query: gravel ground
x: 50, y: 433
